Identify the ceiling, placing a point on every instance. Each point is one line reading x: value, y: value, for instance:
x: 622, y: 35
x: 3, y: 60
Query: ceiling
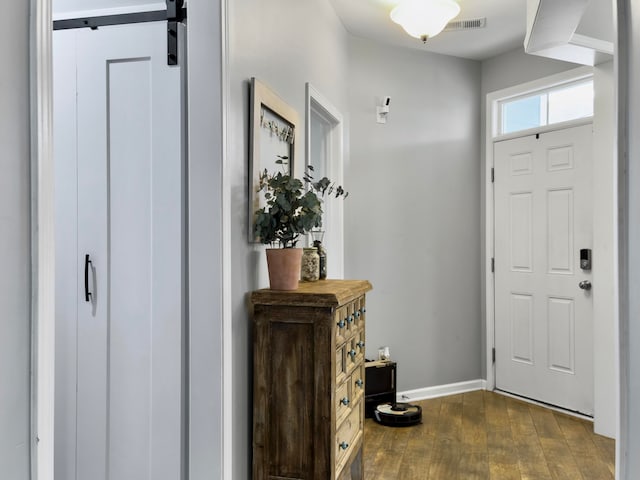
x: 504, y: 31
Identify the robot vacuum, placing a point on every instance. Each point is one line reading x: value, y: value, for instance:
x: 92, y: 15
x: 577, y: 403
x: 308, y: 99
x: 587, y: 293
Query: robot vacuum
x: 398, y: 414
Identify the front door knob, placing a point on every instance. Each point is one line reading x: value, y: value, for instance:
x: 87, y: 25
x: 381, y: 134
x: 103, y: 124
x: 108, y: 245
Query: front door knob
x: 585, y: 285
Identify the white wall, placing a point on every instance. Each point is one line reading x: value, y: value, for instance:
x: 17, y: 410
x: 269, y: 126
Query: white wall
x: 597, y: 21
x: 605, y: 252
x: 205, y: 236
x: 15, y: 238
x: 629, y: 69
x: 412, y: 216
x: 284, y: 44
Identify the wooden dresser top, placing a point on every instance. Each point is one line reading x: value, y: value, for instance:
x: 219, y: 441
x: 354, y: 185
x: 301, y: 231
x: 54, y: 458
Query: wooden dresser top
x: 323, y: 293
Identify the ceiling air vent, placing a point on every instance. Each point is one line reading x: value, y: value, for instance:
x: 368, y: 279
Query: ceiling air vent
x: 466, y: 24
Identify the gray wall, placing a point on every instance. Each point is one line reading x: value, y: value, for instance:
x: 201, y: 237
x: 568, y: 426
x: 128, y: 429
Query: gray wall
x: 15, y: 237
x: 516, y: 67
x: 412, y: 217
x: 284, y: 44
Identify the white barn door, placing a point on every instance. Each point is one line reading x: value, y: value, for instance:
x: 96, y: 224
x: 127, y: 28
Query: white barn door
x: 120, y: 218
x: 543, y: 217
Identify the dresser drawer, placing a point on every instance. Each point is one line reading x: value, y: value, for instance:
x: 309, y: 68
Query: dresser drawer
x: 351, y: 316
x: 351, y: 352
x: 357, y: 383
x: 348, y: 435
x: 349, y: 319
x: 341, y: 320
x: 358, y: 345
x: 359, y: 311
x: 341, y: 363
x: 343, y: 401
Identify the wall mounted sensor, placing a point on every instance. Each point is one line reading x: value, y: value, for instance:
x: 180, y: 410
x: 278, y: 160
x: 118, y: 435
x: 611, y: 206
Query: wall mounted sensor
x: 383, y: 110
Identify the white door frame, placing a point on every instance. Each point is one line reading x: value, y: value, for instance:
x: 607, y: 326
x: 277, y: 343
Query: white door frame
x: 315, y: 101
x: 42, y: 243
x: 209, y: 429
x: 492, y: 118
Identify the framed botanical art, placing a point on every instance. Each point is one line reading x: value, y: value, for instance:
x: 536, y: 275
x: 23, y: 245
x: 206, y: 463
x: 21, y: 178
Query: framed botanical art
x: 272, y: 135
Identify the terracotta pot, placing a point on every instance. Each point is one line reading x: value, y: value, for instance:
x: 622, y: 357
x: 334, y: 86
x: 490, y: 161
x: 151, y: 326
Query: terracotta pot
x: 284, y: 267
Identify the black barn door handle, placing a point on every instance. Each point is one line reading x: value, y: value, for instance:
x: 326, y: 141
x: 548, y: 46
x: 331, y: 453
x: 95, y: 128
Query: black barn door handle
x: 87, y: 293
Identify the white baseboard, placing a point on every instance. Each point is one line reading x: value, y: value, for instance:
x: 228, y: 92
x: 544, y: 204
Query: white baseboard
x: 441, y: 390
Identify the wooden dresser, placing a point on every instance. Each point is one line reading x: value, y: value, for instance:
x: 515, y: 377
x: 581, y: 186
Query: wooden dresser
x: 308, y: 381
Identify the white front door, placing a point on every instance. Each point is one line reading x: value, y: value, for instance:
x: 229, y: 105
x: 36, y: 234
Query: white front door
x: 120, y: 206
x: 543, y: 218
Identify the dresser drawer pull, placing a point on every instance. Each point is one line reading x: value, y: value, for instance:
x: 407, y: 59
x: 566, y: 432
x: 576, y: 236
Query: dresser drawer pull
x: 341, y: 324
x: 344, y: 445
x: 358, y: 314
x: 350, y: 319
x: 360, y: 344
x: 353, y: 354
x: 363, y: 310
x: 345, y: 401
x: 359, y: 382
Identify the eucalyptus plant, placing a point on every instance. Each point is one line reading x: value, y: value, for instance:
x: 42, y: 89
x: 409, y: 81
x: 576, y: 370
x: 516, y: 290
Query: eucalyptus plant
x: 290, y: 209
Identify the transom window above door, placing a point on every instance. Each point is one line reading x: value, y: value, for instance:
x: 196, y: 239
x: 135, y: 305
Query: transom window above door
x: 561, y: 103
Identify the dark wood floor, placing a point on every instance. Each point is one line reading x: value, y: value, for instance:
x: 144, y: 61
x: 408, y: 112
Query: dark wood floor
x: 484, y: 435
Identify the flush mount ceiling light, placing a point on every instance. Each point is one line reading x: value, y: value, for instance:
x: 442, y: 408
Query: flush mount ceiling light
x: 424, y: 19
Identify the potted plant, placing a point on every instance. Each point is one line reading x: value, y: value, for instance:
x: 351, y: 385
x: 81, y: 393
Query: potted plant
x: 290, y: 211
x: 323, y: 187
